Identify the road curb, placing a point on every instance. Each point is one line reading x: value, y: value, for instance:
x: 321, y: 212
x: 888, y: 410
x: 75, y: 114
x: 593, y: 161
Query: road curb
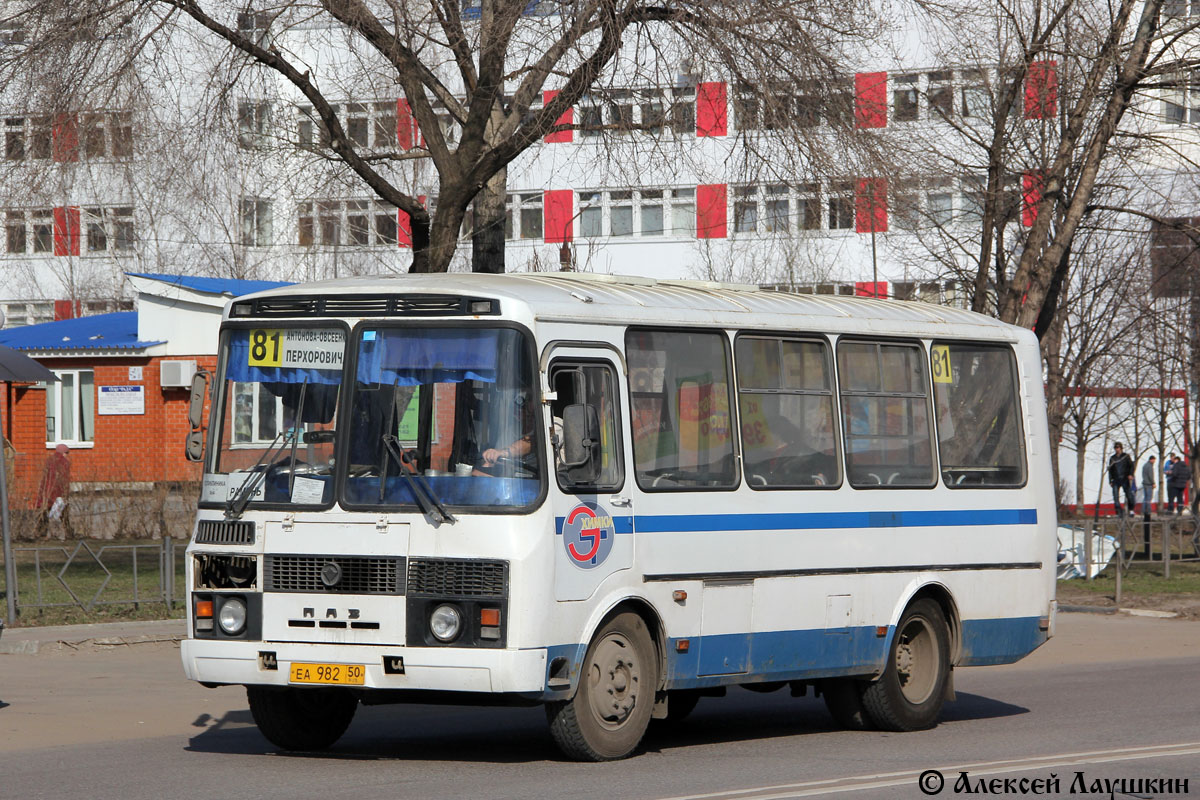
x: 1071, y: 609
x: 34, y: 639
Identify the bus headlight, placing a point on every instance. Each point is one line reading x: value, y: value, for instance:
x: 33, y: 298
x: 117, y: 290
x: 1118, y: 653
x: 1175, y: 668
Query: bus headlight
x: 445, y: 623
x: 232, y: 616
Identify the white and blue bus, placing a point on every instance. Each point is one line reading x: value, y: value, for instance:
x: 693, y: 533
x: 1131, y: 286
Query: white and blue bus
x: 612, y: 496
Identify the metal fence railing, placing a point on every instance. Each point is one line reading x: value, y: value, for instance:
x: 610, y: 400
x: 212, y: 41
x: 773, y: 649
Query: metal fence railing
x: 1122, y: 540
x: 87, y: 574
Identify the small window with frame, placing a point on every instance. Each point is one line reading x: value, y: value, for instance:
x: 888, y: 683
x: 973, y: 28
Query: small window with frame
x: 594, y: 385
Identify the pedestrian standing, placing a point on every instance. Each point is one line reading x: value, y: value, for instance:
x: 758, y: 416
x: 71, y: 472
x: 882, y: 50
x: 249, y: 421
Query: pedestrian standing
x: 1181, y: 476
x: 52, y: 492
x: 1149, y: 481
x: 1120, y: 478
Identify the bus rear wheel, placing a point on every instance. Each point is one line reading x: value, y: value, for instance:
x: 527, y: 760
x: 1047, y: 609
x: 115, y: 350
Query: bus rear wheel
x: 909, y: 694
x: 301, y: 719
x: 608, y: 716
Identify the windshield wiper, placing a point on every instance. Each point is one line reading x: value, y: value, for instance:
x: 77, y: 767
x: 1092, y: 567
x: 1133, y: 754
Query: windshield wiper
x: 422, y: 492
x: 237, y: 503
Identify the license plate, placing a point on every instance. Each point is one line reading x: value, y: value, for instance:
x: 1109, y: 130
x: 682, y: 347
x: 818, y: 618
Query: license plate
x: 336, y: 674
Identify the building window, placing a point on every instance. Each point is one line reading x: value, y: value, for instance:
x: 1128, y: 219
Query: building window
x: 256, y: 222
x: 841, y: 206
x: 591, y: 214
x: 14, y: 138
x: 976, y: 100
x: 14, y: 232
x: 523, y: 216
x: 683, y: 111
x: 253, y: 122
x: 43, y: 230
x: 808, y: 207
x: 941, y: 94
x: 253, y: 24
x: 1181, y: 97
x: 939, y: 199
x: 620, y: 213
x: 97, y: 233
x: 651, y: 209
x: 905, y: 99
x: 338, y: 223
x: 745, y: 209
x: 70, y: 407
x: 745, y: 108
x: 683, y: 212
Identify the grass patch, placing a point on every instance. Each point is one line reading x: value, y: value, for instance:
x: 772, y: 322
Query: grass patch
x: 1142, y: 578
x: 119, y: 580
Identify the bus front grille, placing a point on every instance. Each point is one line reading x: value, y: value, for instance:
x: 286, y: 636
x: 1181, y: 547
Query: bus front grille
x: 216, y: 531
x: 333, y: 574
x: 455, y: 577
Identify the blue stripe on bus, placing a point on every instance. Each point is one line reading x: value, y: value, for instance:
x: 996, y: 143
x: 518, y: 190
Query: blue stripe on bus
x: 819, y: 653
x: 676, y: 523
x: 668, y: 523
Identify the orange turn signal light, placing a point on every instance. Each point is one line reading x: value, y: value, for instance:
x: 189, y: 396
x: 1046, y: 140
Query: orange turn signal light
x: 204, y: 608
x: 489, y: 617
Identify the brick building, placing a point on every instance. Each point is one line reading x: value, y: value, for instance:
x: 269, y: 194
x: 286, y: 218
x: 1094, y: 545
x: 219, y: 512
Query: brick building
x: 121, y: 401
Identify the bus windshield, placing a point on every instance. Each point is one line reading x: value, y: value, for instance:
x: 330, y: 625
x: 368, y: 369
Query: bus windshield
x: 273, y: 441
x: 443, y: 415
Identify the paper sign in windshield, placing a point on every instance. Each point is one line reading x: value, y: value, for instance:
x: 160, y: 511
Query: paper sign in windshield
x: 291, y: 348
x: 308, y: 491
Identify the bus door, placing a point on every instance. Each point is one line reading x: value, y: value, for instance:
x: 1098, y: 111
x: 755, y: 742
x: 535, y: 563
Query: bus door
x: 593, y: 513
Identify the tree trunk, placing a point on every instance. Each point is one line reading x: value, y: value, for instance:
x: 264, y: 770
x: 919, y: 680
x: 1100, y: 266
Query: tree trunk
x: 487, y: 238
x: 1055, y: 385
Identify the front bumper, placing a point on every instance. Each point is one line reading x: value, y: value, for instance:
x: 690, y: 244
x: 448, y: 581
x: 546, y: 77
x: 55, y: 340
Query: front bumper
x: 437, y: 669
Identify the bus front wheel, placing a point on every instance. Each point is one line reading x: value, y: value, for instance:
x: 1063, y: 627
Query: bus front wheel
x: 301, y: 719
x: 608, y: 715
x: 909, y: 694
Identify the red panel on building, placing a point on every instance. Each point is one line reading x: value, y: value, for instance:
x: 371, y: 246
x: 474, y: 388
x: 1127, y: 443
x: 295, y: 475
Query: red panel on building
x: 66, y: 137
x: 66, y: 231
x: 558, y: 214
x: 408, y: 135
x: 711, y: 212
x: 870, y: 205
x: 870, y: 100
x: 1041, y: 90
x: 712, y: 110
x: 1031, y: 196
x: 870, y: 289
x: 67, y: 309
x: 567, y: 118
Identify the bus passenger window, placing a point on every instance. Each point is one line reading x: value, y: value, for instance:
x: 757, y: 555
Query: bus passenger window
x: 680, y: 404
x: 785, y: 403
x: 885, y: 414
x: 978, y: 416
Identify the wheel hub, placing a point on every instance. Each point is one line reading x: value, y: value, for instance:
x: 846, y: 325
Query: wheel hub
x: 615, y: 679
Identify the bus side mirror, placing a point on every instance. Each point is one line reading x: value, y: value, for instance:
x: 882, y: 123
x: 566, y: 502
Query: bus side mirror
x: 580, y: 455
x: 195, y: 445
x: 196, y: 401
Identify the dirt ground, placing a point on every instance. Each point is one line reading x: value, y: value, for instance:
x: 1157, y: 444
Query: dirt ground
x: 1186, y: 606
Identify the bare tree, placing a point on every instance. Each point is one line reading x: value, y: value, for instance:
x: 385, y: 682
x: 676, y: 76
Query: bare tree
x: 472, y: 75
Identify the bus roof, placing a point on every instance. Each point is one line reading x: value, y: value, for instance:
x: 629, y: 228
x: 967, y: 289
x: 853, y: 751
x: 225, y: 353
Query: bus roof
x: 624, y: 299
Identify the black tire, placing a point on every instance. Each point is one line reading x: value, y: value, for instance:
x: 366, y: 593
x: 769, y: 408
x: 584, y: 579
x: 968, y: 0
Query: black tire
x: 909, y: 694
x: 607, y: 717
x: 844, y: 699
x: 301, y: 719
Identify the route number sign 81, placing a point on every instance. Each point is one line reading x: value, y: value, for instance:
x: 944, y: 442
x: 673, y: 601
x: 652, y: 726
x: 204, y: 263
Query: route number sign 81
x: 940, y: 356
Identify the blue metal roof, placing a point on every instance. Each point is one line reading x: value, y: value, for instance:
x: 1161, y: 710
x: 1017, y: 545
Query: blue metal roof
x: 116, y: 331
x: 230, y: 286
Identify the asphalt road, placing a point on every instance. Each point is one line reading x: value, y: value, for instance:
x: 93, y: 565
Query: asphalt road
x: 1109, y: 698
